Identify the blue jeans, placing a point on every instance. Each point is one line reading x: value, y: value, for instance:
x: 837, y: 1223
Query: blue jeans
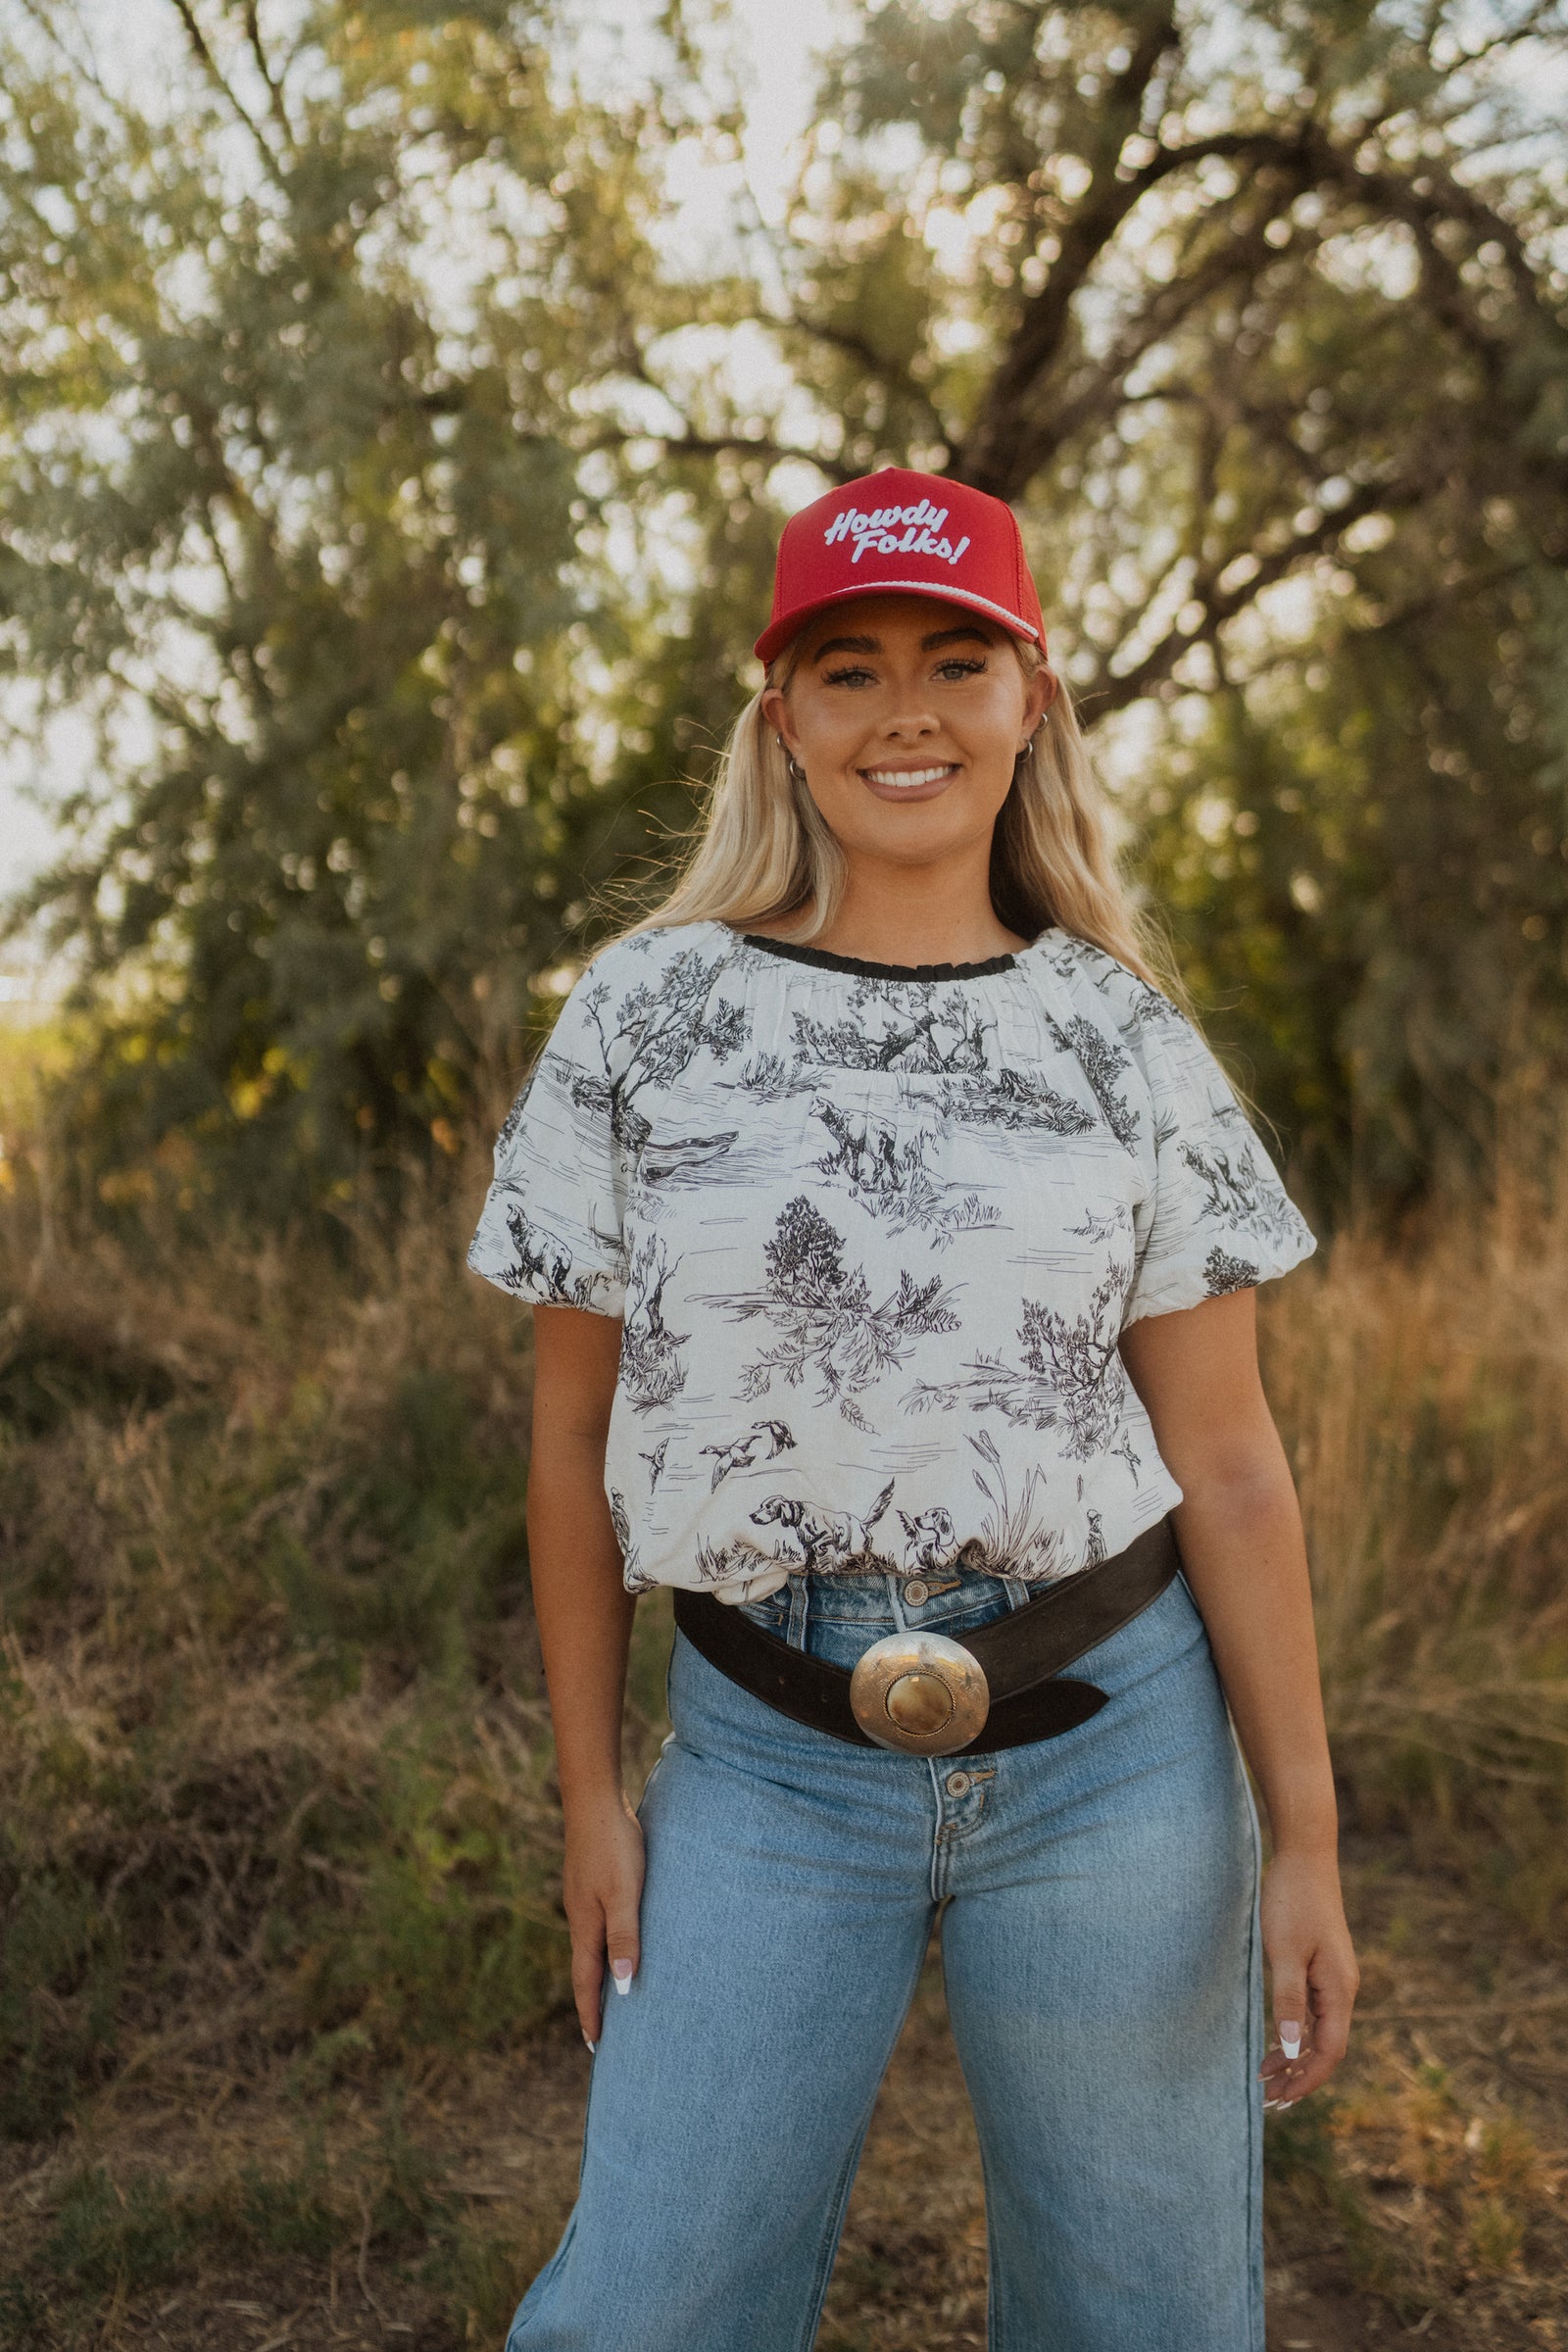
x: 1101, y: 1955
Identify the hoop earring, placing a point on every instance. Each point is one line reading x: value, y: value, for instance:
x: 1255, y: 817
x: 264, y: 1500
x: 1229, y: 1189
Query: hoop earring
x: 793, y: 767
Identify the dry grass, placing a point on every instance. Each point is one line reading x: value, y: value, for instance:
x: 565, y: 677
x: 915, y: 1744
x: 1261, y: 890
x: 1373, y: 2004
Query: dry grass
x: 1424, y: 1397
x: 281, y: 1983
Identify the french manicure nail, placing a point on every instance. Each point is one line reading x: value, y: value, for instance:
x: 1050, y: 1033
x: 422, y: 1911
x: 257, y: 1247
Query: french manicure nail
x: 620, y: 1969
x: 1289, y: 2036
x: 592, y: 2046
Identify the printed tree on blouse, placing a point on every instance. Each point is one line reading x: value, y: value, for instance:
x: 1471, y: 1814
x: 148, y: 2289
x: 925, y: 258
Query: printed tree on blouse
x: 1102, y: 1064
x: 666, y: 1027
x: 822, y: 1314
x: 1070, y: 1378
x: 894, y: 1028
x: 652, y: 1369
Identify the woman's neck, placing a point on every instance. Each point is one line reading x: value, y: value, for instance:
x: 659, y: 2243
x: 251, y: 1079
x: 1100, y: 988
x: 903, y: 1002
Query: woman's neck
x: 896, y: 915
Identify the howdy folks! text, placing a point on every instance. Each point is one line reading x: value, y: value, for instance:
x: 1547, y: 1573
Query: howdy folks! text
x: 895, y: 530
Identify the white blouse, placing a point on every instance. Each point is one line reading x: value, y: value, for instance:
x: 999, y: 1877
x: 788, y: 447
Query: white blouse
x: 872, y: 1234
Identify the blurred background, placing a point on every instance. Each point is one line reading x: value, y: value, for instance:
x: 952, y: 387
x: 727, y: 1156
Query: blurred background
x: 399, y: 404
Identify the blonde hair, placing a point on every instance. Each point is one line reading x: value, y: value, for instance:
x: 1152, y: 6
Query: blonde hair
x: 764, y: 852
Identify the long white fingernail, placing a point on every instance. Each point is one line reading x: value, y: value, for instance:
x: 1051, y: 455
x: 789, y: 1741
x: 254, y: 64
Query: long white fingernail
x: 620, y: 1969
x: 1290, y: 2038
x: 592, y: 2046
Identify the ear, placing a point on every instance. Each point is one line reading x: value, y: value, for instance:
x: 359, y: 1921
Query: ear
x: 777, y: 715
x: 1038, y: 696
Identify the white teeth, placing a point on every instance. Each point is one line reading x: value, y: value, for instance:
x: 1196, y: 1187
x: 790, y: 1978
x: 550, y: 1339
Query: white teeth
x: 903, y: 778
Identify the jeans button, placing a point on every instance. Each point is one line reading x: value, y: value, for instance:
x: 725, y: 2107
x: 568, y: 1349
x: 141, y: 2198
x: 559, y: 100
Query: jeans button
x: 959, y: 1784
x: 914, y: 1592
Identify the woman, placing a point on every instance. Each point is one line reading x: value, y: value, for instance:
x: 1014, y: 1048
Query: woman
x: 894, y: 1243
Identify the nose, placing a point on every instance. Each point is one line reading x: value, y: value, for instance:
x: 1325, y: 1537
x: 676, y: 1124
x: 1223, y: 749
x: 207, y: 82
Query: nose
x: 909, y: 724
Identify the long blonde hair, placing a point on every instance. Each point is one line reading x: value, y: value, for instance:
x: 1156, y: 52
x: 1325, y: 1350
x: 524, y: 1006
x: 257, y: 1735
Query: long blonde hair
x: 764, y: 852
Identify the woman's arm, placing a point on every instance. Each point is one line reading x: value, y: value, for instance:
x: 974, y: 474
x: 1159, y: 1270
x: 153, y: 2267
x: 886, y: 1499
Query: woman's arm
x: 1240, y: 1530
x: 584, y: 1614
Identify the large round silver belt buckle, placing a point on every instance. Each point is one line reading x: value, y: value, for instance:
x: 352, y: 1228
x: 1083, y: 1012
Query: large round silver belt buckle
x: 921, y: 1693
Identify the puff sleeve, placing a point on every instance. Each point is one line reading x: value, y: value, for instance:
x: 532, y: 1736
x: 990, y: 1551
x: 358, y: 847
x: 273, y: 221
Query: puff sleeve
x: 1217, y: 1217
x: 552, y: 1227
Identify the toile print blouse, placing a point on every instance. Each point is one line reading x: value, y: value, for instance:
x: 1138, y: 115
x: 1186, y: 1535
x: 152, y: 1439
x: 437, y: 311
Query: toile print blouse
x: 872, y: 1235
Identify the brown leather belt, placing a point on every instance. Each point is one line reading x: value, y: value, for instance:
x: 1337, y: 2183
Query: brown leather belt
x: 1001, y: 1687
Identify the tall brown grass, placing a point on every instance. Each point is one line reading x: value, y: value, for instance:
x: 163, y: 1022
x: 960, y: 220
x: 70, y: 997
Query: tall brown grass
x: 1423, y: 1393
x: 274, y: 1764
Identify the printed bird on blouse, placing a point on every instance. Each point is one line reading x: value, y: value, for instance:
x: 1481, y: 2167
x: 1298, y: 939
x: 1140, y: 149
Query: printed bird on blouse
x: 742, y: 1453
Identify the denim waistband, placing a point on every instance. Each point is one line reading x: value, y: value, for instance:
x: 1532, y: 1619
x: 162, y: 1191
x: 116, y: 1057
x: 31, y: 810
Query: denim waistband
x: 951, y: 1603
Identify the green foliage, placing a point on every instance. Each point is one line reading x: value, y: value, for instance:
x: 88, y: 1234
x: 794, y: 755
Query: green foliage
x: 1307, y: 2180
x: 291, y: 2212
x: 59, y: 1971
x: 338, y: 520
x: 1268, y: 339
x: 416, y: 1544
x: 397, y: 488
x: 448, y: 1935
x: 110, y: 2237
x: 1364, y: 855
x: 483, y: 2272
x: 115, y: 2235
x: 23, y: 2317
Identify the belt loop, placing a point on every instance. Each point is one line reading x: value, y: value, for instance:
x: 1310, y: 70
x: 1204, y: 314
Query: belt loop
x: 798, y: 1587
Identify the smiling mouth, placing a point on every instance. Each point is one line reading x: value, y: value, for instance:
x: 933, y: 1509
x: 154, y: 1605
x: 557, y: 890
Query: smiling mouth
x: 910, y: 779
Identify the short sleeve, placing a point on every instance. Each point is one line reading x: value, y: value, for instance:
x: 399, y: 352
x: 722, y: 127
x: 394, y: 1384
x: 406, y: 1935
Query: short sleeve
x: 1218, y: 1218
x: 551, y: 1228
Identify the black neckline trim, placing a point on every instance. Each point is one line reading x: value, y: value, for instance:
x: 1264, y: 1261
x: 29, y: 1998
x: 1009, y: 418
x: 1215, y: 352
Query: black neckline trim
x: 826, y: 962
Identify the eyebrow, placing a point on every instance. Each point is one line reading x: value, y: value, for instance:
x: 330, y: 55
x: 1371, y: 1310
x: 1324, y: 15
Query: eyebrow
x: 929, y: 644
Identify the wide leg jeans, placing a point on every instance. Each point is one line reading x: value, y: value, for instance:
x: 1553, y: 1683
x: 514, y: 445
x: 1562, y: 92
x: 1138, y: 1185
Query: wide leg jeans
x: 1101, y: 1954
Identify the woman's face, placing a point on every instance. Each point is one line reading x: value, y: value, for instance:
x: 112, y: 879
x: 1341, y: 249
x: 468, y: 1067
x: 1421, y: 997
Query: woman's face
x: 908, y: 716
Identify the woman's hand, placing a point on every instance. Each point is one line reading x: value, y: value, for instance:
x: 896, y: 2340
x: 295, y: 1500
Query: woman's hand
x: 1312, y: 1963
x: 603, y: 1889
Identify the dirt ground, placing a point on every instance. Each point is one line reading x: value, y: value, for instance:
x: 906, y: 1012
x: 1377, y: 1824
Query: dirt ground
x: 1427, y: 2201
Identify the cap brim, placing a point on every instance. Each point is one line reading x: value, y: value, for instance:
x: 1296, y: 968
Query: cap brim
x: 777, y: 635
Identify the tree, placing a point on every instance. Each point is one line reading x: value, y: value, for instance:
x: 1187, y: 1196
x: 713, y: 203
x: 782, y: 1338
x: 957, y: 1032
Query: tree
x: 1264, y: 325
x: 370, y: 428
x: 292, y: 432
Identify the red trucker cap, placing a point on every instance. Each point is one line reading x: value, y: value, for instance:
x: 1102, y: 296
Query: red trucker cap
x: 902, y: 533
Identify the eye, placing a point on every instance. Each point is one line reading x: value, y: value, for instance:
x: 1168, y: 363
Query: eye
x: 848, y: 677
x: 958, y: 666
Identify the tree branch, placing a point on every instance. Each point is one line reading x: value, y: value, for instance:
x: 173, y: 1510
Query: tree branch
x: 989, y: 458
x: 1099, y: 391
x: 275, y: 86
x: 203, y: 54
x: 1114, y: 690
